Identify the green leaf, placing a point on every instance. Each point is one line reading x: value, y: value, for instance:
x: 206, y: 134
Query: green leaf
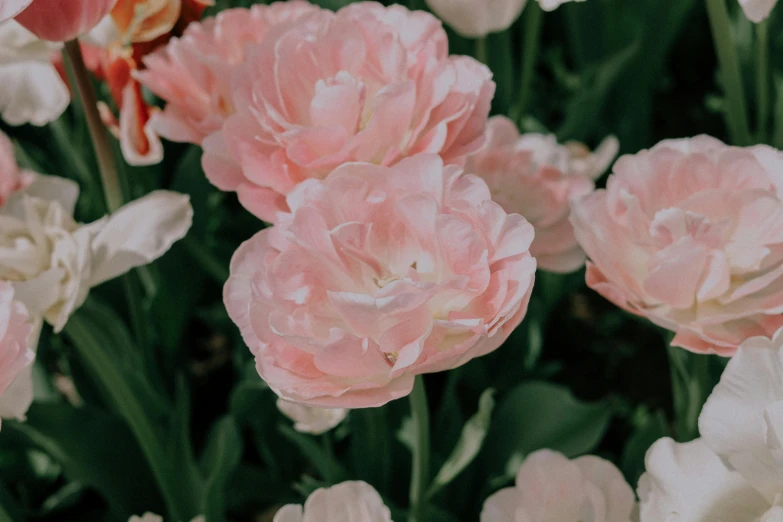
x: 650, y: 428
x: 328, y: 467
x: 469, y: 444
x: 218, y: 462
x: 537, y: 415
x: 95, y: 449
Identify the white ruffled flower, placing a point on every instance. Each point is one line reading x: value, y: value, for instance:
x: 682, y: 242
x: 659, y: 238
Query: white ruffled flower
x: 311, y: 419
x: 734, y: 472
x: 549, y: 487
x: 54, y: 261
x: 757, y: 10
x: 345, y: 502
x: 32, y: 91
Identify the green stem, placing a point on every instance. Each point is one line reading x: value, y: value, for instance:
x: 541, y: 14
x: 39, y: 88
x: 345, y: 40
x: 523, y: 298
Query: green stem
x: 731, y: 75
x: 762, y: 80
x: 481, y: 50
x: 100, y: 140
x: 112, y: 383
x: 208, y: 262
x: 421, y: 451
x: 530, y: 46
x: 690, y: 375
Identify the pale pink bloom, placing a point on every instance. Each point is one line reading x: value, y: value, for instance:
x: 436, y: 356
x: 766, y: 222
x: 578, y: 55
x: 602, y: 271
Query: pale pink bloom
x: 193, y: 73
x: 735, y: 471
x: 379, y: 274
x: 63, y: 20
x: 32, y: 90
x: 15, y: 331
x: 477, y: 18
x: 311, y: 419
x: 550, y: 488
x: 551, y: 5
x: 757, y: 10
x: 151, y: 517
x: 345, y: 502
x: 533, y: 175
x: 369, y: 83
x: 12, y: 178
x: 690, y: 235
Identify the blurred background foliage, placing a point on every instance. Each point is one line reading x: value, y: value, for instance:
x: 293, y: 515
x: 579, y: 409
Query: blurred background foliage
x: 578, y: 376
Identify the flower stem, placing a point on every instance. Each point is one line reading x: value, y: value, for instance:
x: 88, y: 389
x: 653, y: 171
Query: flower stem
x: 100, y: 139
x: 530, y: 45
x: 736, y: 111
x: 762, y: 81
x: 481, y: 50
x: 691, y: 385
x: 421, y: 451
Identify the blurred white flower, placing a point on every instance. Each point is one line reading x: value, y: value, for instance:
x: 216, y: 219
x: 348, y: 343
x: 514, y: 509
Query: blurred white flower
x: 345, y: 502
x: 11, y: 8
x: 15, y: 353
x: 549, y: 487
x: 735, y: 471
x: 311, y: 419
x: 757, y: 10
x: 33, y: 91
x: 477, y: 18
x: 53, y: 261
x: 151, y: 517
x: 551, y: 5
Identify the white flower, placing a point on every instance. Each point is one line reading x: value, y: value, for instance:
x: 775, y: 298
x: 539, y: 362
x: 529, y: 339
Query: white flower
x: 757, y: 10
x: 346, y: 502
x: 311, y: 419
x: 54, y: 261
x: 735, y: 471
x: 32, y: 91
x: 550, y: 487
x: 11, y: 8
x: 15, y: 353
x: 477, y: 18
x: 551, y: 5
x: 151, y: 517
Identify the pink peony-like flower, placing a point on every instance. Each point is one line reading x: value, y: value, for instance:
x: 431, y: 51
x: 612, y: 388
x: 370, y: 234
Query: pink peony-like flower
x: 533, y: 175
x: 551, y: 488
x: 369, y: 83
x: 63, y: 20
x: 12, y: 178
x: 15, y: 332
x: 193, y: 73
x: 690, y: 235
x: 379, y: 274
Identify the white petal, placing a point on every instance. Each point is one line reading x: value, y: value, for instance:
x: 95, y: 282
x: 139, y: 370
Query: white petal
x: 346, y: 502
x: 54, y: 188
x: 311, y: 419
x: 147, y: 517
x: 689, y: 483
x: 139, y: 233
x: 757, y: 10
x: 289, y: 513
x: 610, y: 482
x: 743, y: 414
x: 551, y: 5
x: 11, y: 8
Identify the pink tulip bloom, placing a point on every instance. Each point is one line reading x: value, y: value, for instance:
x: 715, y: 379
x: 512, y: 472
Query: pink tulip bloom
x: 379, y: 274
x: 63, y: 20
x: 690, y: 235
x: 15, y: 330
x: 533, y: 175
x: 12, y: 178
x: 193, y: 73
x: 369, y: 83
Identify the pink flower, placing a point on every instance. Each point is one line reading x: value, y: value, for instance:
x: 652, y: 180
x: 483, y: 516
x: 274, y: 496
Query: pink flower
x: 63, y: 20
x: 193, y: 73
x: 344, y: 502
x: 534, y: 176
x: 12, y: 178
x: 379, y: 274
x: 477, y: 18
x: 550, y: 488
x: 690, y: 235
x: 15, y: 354
x: 369, y: 83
